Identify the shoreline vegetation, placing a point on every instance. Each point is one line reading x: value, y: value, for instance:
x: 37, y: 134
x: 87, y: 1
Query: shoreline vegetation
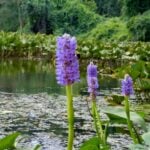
x: 30, y: 46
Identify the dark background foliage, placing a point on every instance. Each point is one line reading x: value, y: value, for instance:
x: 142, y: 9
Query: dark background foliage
x: 103, y: 19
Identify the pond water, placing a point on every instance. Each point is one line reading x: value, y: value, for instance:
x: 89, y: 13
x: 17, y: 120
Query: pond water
x: 36, y: 76
x: 32, y: 103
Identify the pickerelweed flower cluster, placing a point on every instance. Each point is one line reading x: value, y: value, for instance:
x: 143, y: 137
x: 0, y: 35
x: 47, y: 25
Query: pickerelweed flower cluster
x: 67, y: 72
x: 67, y: 66
x: 92, y: 79
x: 127, y: 90
x: 127, y: 86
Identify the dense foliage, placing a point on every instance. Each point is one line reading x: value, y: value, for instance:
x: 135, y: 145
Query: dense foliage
x: 8, y: 12
x: 12, y: 44
x: 78, y: 17
x: 16, y: 44
x: 135, y: 7
x: 113, y: 29
x: 75, y: 18
x: 140, y: 27
x: 109, y: 8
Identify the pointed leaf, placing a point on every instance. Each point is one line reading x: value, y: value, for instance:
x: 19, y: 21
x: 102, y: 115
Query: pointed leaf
x: 117, y: 114
x: 37, y: 147
x: 91, y: 144
x: 8, y: 141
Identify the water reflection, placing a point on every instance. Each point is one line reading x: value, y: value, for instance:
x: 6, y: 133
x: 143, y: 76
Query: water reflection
x: 34, y: 76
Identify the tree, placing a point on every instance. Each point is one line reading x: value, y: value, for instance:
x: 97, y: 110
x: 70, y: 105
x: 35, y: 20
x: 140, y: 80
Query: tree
x: 139, y: 26
x: 76, y: 18
x: 12, y: 14
x: 109, y: 7
x: 135, y: 7
x: 7, y: 14
x: 40, y: 16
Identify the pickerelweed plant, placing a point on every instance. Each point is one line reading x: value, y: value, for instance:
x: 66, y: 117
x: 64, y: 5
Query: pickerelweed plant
x: 92, y: 89
x: 67, y: 72
x: 127, y: 90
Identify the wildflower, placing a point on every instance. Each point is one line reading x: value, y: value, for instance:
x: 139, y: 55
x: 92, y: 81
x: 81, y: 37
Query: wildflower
x: 92, y: 79
x: 127, y: 90
x: 67, y: 66
x: 127, y: 86
x: 67, y: 72
x: 92, y: 89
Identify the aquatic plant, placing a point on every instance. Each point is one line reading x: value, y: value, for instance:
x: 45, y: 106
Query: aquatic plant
x: 140, y: 73
x: 67, y: 72
x: 10, y: 142
x: 127, y: 86
x: 127, y: 90
x: 92, y: 82
x: 29, y: 45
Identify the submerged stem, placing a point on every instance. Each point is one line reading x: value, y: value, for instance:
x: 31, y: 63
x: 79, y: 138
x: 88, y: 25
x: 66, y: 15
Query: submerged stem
x: 70, y: 113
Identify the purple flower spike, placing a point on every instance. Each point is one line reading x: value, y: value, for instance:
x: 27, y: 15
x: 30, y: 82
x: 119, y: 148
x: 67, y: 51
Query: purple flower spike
x: 67, y: 66
x: 92, y: 79
x: 127, y: 86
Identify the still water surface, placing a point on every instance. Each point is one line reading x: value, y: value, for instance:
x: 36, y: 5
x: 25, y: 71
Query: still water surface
x: 36, y: 76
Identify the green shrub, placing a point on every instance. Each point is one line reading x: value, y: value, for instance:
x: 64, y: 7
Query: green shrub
x: 135, y: 7
x: 109, y: 8
x: 140, y: 27
x: 31, y: 45
x: 91, y: 48
x: 111, y: 29
x: 76, y: 18
x: 22, y: 45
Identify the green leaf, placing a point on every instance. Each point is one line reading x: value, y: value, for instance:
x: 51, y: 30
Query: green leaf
x: 90, y: 147
x: 91, y: 144
x: 8, y: 141
x: 148, y: 127
x: 146, y: 138
x: 118, y: 115
x: 118, y: 98
x: 37, y: 147
x: 137, y: 147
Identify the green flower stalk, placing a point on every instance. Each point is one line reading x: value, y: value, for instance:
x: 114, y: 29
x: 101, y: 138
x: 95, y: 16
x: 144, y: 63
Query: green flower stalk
x: 98, y: 122
x: 70, y: 113
x: 129, y: 122
x: 127, y: 90
x: 67, y: 73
